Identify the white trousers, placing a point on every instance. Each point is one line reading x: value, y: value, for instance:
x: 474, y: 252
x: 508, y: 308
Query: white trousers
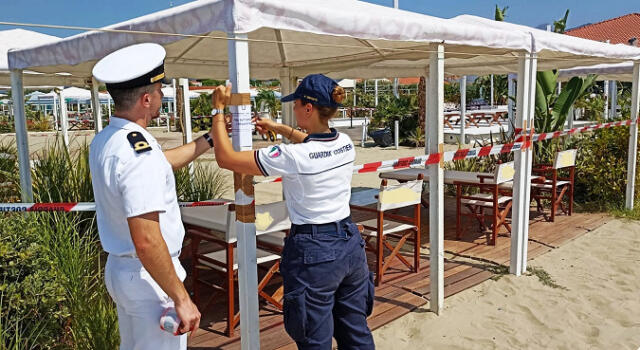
x: 140, y: 302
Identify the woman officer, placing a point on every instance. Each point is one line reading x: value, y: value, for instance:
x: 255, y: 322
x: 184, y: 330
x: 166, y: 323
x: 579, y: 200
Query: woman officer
x: 327, y: 284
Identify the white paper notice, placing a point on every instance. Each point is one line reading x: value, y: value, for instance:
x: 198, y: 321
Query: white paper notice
x: 241, y: 126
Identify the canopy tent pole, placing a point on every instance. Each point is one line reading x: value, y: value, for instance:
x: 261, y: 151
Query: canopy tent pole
x: 434, y: 142
x: 633, y: 137
x: 174, y: 108
x: 533, y: 68
x: 287, y: 86
x: 605, y: 113
x: 184, y: 82
x: 491, y: 99
x: 376, y: 92
x: 188, y: 137
x: 22, y: 138
x: 55, y: 113
x: 244, y: 197
x: 613, y: 99
x: 109, y: 106
x: 463, y: 108
x: 64, y: 119
x: 511, y: 92
x: 95, y: 105
x: 521, y: 122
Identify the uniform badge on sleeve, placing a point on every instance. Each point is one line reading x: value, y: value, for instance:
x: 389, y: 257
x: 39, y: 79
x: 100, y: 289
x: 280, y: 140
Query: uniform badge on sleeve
x: 138, y: 142
x: 274, y: 152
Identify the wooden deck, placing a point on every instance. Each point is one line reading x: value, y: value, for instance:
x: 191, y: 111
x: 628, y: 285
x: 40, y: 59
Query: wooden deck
x: 468, y: 262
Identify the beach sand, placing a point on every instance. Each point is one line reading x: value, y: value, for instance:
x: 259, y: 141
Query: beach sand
x: 596, y: 304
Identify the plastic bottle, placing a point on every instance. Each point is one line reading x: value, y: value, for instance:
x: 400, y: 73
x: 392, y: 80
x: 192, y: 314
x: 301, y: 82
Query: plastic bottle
x: 169, y: 321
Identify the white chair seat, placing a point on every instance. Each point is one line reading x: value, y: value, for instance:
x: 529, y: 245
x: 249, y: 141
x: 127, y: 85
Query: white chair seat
x: 501, y: 200
x: 262, y: 256
x: 275, y: 239
x: 548, y: 184
x: 389, y: 227
x: 211, y: 217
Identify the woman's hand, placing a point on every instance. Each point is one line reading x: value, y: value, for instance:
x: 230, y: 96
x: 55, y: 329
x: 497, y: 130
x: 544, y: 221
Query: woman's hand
x: 221, y: 96
x: 264, y: 125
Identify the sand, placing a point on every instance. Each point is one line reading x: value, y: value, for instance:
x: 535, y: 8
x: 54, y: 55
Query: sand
x: 596, y: 306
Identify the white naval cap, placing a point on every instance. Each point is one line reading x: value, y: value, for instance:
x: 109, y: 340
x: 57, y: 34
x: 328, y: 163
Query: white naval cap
x: 132, y: 66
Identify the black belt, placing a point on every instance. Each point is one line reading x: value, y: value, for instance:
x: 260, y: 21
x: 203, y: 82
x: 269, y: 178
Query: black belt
x: 320, y: 228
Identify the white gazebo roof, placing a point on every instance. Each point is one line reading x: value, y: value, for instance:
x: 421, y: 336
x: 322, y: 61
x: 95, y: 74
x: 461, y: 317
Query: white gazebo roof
x: 617, y: 71
x: 167, y: 91
x: 559, y: 50
x: 327, y: 36
x: 21, y: 38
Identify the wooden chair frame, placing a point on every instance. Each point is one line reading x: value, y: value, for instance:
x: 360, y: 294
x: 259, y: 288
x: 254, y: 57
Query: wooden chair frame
x: 382, y: 262
x: 200, y: 235
x: 499, y: 211
x: 556, y: 193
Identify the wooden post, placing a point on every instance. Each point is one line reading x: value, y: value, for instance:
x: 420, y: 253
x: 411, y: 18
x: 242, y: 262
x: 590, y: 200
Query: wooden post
x: 434, y: 141
x: 244, y: 196
x: 95, y: 105
x: 22, y: 138
x: 633, y: 137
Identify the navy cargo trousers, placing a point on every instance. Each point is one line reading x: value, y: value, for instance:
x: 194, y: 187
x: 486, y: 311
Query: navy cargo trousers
x: 328, y: 289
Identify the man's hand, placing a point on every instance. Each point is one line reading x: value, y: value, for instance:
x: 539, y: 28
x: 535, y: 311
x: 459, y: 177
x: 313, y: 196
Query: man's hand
x: 189, y: 316
x: 221, y: 96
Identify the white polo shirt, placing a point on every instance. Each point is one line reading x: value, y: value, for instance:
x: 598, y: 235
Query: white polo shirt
x: 128, y: 184
x: 316, y: 176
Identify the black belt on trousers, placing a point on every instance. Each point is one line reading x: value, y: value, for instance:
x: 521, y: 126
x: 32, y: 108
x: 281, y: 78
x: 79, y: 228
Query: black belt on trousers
x: 320, y: 228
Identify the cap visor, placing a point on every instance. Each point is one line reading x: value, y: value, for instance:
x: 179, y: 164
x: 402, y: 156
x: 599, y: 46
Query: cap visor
x: 289, y: 98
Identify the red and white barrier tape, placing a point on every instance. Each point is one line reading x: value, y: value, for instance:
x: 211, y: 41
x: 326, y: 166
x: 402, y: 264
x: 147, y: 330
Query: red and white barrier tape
x: 522, y: 142
x: 82, y: 206
x: 557, y: 134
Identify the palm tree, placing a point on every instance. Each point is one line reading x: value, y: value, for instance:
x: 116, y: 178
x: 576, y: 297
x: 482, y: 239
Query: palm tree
x: 560, y: 25
x: 500, y: 14
x: 268, y: 99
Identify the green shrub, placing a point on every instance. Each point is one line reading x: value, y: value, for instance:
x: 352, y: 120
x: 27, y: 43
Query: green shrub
x: 32, y: 287
x: 62, y: 176
x: 207, y: 182
x: 52, y: 287
x: 9, y: 178
x: 601, y: 167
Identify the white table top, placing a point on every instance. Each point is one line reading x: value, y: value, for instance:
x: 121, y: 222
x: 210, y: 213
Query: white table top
x: 450, y: 176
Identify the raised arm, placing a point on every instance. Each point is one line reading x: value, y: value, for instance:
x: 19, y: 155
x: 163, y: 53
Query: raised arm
x: 182, y: 155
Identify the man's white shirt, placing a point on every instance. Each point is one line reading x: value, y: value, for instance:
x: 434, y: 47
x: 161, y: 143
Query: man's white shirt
x: 316, y: 176
x: 128, y: 184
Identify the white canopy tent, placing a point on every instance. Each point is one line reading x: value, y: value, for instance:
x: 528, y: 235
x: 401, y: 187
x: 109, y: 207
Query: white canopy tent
x: 617, y: 71
x: 270, y: 38
x: 167, y: 91
x: 21, y: 38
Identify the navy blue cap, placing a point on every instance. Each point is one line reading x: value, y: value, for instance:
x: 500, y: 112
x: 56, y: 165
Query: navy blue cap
x: 315, y: 88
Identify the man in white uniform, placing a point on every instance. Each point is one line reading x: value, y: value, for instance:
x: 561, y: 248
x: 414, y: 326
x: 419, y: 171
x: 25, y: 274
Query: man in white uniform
x: 136, y: 205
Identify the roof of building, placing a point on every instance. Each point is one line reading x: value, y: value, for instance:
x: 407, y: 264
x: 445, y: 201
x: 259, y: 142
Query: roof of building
x: 617, y: 30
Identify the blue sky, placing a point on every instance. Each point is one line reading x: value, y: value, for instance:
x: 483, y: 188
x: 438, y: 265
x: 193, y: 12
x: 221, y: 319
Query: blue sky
x: 101, y: 13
